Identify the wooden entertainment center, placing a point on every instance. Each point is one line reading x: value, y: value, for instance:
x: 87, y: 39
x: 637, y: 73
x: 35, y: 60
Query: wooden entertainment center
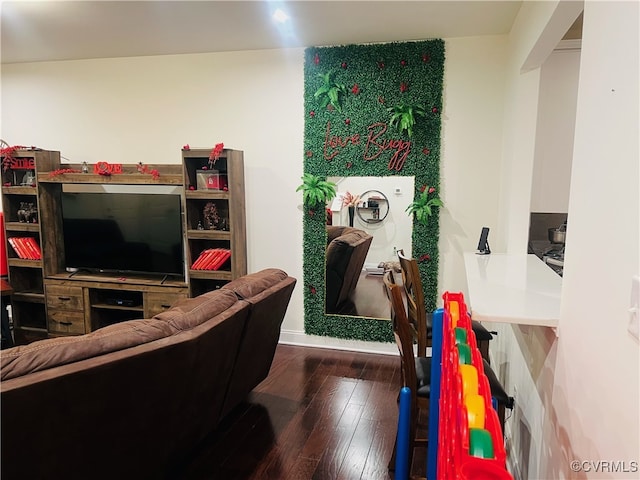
x: 50, y: 301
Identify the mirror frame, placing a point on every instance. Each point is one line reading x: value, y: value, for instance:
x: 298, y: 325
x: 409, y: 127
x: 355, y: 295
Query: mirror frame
x: 337, y: 142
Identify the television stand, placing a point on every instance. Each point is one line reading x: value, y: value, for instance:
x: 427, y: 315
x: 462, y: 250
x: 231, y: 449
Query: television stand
x: 82, y: 302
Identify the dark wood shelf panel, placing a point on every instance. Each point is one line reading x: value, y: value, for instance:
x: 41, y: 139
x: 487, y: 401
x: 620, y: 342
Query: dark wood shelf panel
x: 210, y: 274
x: 20, y: 190
x: 208, y: 235
x: 23, y: 262
x: 118, y: 178
x: 108, y: 306
x: 28, y: 297
x: 31, y: 329
x: 115, y: 281
x: 22, y: 227
x: 206, y: 195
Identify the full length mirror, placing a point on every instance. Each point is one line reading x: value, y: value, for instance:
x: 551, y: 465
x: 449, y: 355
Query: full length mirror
x: 361, y: 242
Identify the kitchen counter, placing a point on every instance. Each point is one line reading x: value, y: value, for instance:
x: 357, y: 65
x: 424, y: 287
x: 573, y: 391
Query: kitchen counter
x: 512, y: 288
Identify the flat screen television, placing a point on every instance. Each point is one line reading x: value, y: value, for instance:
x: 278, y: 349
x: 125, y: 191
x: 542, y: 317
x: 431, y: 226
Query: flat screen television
x: 123, y: 232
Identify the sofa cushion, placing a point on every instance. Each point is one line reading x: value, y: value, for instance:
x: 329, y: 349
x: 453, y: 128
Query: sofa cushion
x: 254, y: 283
x: 191, y: 312
x: 340, y: 249
x: 53, y: 352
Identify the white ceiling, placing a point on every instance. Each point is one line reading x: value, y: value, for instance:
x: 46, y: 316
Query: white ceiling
x: 67, y: 30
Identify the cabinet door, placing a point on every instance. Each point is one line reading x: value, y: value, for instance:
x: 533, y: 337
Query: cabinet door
x: 155, y: 303
x: 64, y: 298
x: 65, y: 322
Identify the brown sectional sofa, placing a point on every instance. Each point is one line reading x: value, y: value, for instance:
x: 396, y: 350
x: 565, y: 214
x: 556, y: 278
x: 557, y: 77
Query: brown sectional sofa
x: 132, y: 399
x: 347, y: 249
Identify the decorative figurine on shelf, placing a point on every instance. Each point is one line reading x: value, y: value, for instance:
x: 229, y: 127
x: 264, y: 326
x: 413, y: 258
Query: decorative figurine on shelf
x: 200, y: 227
x: 29, y: 179
x: 27, y: 213
x: 85, y: 167
x: 211, y: 217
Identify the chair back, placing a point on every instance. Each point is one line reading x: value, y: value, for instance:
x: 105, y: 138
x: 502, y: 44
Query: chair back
x: 403, y: 333
x: 417, y: 312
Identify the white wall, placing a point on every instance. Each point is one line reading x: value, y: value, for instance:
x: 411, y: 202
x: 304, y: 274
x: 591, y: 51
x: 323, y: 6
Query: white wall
x: 595, y: 396
x: 145, y: 109
x: 470, y: 170
x: 577, y: 394
x: 554, y: 131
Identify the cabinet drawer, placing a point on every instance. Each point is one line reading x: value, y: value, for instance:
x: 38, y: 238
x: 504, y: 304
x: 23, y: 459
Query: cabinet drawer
x: 159, y: 302
x: 66, y: 322
x: 64, y: 298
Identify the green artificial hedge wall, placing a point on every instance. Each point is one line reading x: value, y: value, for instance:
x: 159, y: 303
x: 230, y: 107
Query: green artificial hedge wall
x: 348, y: 91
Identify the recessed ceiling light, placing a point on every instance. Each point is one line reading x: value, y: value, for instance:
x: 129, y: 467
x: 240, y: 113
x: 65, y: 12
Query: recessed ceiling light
x: 280, y: 16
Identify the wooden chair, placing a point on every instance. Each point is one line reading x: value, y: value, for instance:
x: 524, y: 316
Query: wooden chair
x: 417, y: 316
x: 417, y: 311
x: 416, y: 370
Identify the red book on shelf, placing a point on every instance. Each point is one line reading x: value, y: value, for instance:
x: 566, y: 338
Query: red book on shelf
x: 36, y: 247
x: 18, y: 248
x: 203, y: 259
x: 213, y: 259
x: 22, y: 241
x: 32, y: 246
x: 221, y: 260
x: 198, y: 262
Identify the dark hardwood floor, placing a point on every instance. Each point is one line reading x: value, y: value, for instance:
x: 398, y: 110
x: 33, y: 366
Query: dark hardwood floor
x: 320, y: 415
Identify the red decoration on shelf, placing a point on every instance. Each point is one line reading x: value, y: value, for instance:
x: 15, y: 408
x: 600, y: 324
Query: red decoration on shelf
x: 142, y: 168
x: 215, y: 154
x: 62, y: 171
x: 191, y: 187
x: 432, y: 189
x: 404, y: 87
x: 356, y: 89
x: 423, y: 188
x: 434, y: 109
x: 316, y: 59
x: 7, y: 153
x: 106, y: 169
x: 426, y: 151
x: 186, y: 147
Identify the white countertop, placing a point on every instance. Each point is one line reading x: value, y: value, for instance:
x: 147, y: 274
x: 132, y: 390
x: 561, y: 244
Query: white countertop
x: 512, y: 288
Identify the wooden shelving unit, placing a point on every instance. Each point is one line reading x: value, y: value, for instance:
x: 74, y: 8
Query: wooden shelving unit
x: 49, y: 301
x: 26, y: 276
x: 229, y: 200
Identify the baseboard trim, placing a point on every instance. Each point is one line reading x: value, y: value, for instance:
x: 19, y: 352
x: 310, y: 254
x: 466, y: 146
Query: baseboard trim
x: 293, y: 337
